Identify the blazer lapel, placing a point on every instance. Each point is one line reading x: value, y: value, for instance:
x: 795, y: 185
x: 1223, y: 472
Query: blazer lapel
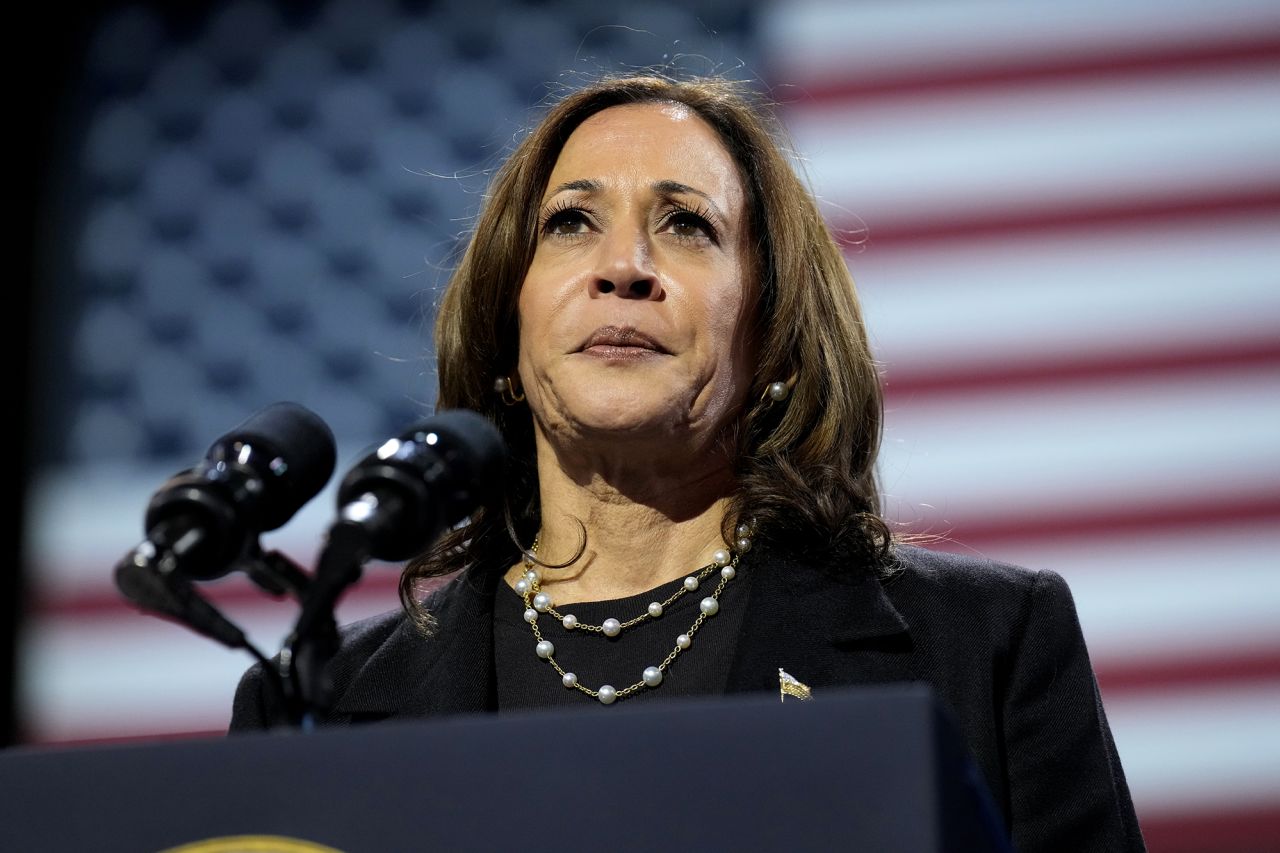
x: 825, y: 624
x: 449, y: 672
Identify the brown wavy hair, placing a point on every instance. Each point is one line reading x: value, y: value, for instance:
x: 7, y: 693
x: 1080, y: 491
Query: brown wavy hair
x: 805, y: 468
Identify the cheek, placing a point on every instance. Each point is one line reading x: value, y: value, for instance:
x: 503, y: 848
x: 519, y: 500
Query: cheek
x: 728, y: 318
x: 544, y: 293
x: 540, y: 314
x: 529, y: 328
x: 534, y: 309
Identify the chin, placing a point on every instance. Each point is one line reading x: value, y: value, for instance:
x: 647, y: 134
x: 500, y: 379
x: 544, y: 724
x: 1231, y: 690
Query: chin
x: 629, y: 424
x: 631, y: 403
x: 625, y: 415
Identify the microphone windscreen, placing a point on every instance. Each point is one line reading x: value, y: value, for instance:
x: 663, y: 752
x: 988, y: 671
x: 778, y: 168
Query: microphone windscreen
x: 305, y: 449
x: 431, y: 476
x: 472, y: 440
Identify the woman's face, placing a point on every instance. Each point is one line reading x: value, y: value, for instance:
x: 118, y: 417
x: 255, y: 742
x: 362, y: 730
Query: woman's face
x: 634, y: 314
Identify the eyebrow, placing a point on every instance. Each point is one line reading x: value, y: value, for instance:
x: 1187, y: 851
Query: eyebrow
x: 585, y: 185
x: 666, y: 187
x: 675, y: 187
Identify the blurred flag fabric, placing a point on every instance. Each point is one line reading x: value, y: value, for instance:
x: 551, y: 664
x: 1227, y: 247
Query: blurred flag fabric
x: 1064, y: 222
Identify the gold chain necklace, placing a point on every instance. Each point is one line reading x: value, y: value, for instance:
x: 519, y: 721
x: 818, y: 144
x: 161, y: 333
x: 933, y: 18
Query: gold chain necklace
x: 537, y: 603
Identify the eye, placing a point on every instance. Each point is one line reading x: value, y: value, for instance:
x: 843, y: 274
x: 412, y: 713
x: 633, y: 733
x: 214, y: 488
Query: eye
x: 566, y: 221
x: 690, y: 224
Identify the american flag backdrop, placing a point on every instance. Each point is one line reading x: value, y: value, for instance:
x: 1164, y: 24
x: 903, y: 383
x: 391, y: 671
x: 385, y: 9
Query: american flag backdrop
x: 1064, y: 223
x: 1064, y: 220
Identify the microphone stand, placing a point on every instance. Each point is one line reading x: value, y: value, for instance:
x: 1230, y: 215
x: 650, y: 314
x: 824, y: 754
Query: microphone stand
x: 276, y: 573
x: 145, y: 576
x: 148, y: 577
x: 306, y: 653
x: 389, y: 505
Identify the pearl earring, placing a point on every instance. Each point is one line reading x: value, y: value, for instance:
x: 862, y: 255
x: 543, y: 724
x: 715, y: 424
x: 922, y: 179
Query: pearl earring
x: 507, y: 390
x: 779, y: 391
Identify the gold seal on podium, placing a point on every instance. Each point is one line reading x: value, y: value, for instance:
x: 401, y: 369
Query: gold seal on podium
x: 252, y: 844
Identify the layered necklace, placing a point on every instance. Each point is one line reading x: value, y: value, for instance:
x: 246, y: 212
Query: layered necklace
x: 723, y: 566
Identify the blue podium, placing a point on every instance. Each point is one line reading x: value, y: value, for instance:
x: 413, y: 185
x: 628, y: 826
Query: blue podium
x: 868, y: 769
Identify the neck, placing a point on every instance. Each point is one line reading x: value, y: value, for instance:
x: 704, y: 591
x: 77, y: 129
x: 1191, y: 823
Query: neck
x: 646, y: 522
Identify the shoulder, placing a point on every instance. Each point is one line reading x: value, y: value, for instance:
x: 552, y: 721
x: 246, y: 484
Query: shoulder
x: 953, y: 592
x: 1003, y: 646
x: 978, y: 578
x: 388, y: 636
x: 258, y: 703
x: 951, y: 569
x: 359, y: 641
x: 363, y: 637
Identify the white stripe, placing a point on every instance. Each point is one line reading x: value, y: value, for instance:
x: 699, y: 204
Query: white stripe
x: 81, y: 522
x: 982, y: 302
x: 1199, y: 749
x: 817, y: 40
x: 1042, y: 146
x: 119, y: 677
x: 1177, y: 598
x: 954, y: 460
x: 109, y: 679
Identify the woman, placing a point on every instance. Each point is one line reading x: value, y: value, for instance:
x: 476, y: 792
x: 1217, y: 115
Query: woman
x: 655, y: 315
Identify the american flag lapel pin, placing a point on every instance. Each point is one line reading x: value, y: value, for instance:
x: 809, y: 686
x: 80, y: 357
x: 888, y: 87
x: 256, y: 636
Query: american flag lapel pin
x: 789, y: 685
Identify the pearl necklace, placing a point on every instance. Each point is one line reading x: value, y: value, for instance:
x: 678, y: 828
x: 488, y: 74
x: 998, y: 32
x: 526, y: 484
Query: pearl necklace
x: 537, y: 603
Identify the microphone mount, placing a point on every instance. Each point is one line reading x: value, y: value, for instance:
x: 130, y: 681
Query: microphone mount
x: 392, y: 504
x: 205, y: 522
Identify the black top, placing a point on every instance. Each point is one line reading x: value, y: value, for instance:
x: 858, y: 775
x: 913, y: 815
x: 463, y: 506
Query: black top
x: 527, y: 681
x: 1000, y: 645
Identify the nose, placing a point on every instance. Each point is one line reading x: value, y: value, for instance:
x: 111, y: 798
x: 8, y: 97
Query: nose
x: 624, y: 266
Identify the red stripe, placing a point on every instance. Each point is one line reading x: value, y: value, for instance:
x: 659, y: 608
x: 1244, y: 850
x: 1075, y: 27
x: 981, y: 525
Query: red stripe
x: 1197, y: 56
x: 1091, y: 367
x: 1149, y: 518
x: 1253, y: 665
x: 1262, y: 199
x: 1245, y: 830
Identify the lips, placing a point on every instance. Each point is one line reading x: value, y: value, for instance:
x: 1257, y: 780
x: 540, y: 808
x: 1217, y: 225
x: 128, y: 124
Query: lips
x: 623, y: 337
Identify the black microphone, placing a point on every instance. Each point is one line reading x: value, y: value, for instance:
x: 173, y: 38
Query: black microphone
x: 174, y: 596
x: 408, y: 491
x: 202, y: 521
x: 391, y: 505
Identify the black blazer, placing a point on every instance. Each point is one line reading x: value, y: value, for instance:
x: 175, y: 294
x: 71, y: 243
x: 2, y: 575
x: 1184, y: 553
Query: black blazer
x: 1001, y: 646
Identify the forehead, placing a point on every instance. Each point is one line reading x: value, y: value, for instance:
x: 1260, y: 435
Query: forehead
x: 645, y: 143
